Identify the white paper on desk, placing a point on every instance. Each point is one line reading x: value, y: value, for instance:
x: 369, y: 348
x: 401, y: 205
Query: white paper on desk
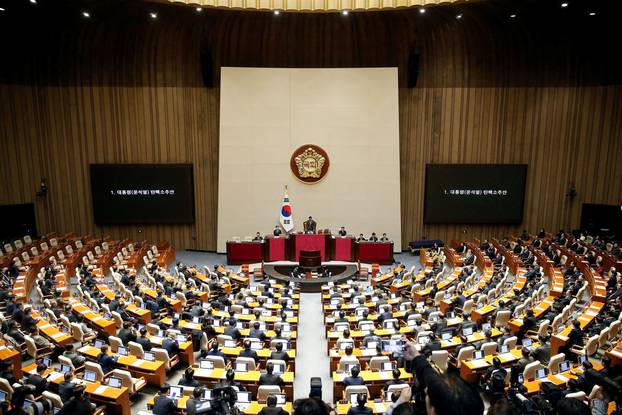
x: 100, y: 389
x: 507, y: 356
x: 2, y: 347
x: 54, y: 375
x: 57, y: 335
x: 45, y: 326
x: 139, y: 361
x: 379, y: 407
x: 156, y: 339
x: 545, y: 380
x: 561, y: 378
x: 591, y: 313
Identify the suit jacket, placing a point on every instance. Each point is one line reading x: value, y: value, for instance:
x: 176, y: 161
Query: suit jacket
x: 81, y: 406
x: 76, y: 359
x: 233, y: 332
x: 163, y: 405
x: 171, y: 346
x: 269, y: 410
x: 360, y: 410
x: 66, y: 390
x: 144, y: 342
x: 353, y: 381
x: 270, y: 379
x: 106, y: 362
x: 309, y: 225
x: 249, y: 353
x: 279, y: 356
x: 39, y: 383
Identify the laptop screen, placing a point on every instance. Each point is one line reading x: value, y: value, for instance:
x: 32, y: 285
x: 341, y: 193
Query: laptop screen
x: 230, y: 343
x: 207, y: 394
x: 46, y: 362
x: 486, y: 326
x: 115, y: 382
x: 206, y: 364
x: 3, y: 396
x: 541, y: 373
x: 122, y: 351
x: 281, y: 398
x: 202, y: 407
x: 372, y: 345
x: 279, y: 369
x: 526, y: 342
x: 176, y: 392
x: 386, y: 366
x: 148, y: 356
x: 467, y: 331
x: 90, y: 376
x: 446, y: 336
x: 504, y: 348
x: 99, y: 343
x: 478, y: 354
x: 354, y: 399
x: 244, y: 397
x: 241, y: 367
x: 65, y: 368
x: 564, y: 366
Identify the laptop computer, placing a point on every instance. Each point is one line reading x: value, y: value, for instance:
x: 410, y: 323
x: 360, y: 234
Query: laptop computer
x: 149, y: 356
x: 467, y: 331
x: 504, y: 348
x: 387, y: 366
x: 122, y: 350
x: 582, y: 359
x: 244, y: 397
x: 65, y: 368
x: 176, y: 392
x: 90, y: 376
x: 256, y: 346
x: 202, y: 407
x: 46, y: 361
x: 279, y: 369
x: 230, y: 343
x: 281, y: 398
x: 564, y: 366
x: 206, y: 364
x: 99, y: 343
x: 423, y: 340
x: 3, y: 396
x: 527, y: 342
x: 241, y: 367
x: 446, y: 336
x: 478, y: 354
x: 354, y: 398
x: 115, y: 382
x: 541, y: 373
x: 207, y: 394
x: 486, y: 326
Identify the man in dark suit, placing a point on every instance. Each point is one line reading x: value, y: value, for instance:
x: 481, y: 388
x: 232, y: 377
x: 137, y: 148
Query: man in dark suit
x: 309, y: 225
x: 66, y: 389
x: 188, y: 378
x: 256, y: 332
x: 270, y: 378
x: 271, y: 408
x: 232, y: 330
x: 170, y: 345
x: 162, y: 404
x: 143, y: 340
x: 342, y: 231
x: 127, y: 333
x: 78, y: 404
x: 276, y: 231
x: 248, y: 352
x: 395, y: 381
x: 354, y: 379
x: 105, y: 361
x: 38, y: 381
x: 279, y: 354
x: 361, y: 407
x: 373, y: 237
x: 76, y: 358
x: 215, y: 351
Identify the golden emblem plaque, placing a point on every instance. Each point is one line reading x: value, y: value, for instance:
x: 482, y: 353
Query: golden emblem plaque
x: 309, y: 163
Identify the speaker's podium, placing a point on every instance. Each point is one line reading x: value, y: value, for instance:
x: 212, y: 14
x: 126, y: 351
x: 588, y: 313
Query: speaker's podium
x: 309, y: 242
x: 310, y: 259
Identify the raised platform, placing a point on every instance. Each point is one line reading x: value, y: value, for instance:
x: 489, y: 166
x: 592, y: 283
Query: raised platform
x: 281, y: 271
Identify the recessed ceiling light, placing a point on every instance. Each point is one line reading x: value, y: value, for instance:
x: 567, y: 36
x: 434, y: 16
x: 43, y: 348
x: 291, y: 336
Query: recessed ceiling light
x: 2, y: 9
x: 344, y: 12
x: 199, y: 9
x: 422, y: 10
x: 512, y: 16
x: 276, y: 12
x: 459, y: 16
x: 33, y: 1
x: 153, y: 15
x: 592, y: 13
x: 564, y: 4
x: 86, y: 14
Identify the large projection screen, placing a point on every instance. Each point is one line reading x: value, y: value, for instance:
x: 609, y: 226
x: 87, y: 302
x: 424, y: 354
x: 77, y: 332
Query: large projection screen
x: 267, y: 113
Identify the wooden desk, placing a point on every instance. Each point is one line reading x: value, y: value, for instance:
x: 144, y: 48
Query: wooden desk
x: 471, y: 370
x: 116, y: 400
x: 12, y: 356
x: 588, y: 315
x: 186, y: 352
x: 153, y: 372
x: 95, y: 320
x: 249, y: 379
x: 373, y: 380
x: 52, y: 332
x: 377, y: 406
x: 253, y: 409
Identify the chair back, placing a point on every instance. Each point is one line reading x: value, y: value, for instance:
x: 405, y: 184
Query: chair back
x: 95, y: 367
x: 136, y: 349
x: 264, y: 391
x: 350, y: 390
x: 440, y: 357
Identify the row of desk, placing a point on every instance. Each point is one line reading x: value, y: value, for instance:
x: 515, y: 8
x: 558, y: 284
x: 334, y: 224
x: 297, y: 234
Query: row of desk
x: 288, y: 247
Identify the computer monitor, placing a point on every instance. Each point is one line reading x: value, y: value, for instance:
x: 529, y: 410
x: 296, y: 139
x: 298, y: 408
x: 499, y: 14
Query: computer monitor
x: 527, y: 342
x: 206, y: 364
x: 161, y: 333
x: 239, y: 325
x: 372, y: 345
x: 181, y: 338
x: 244, y: 397
x: 392, y: 346
x: 386, y: 366
x: 230, y: 343
x: 348, y: 367
x: 289, y: 313
x: 541, y: 373
x: 256, y: 346
x: 3, y: 396
x: 279, y: 369
x: 107, y: 316
x: 122, y: 350
x: 344, y: 345
x: 217, y: 322
x: 149, y: 356
x: 342, y: 327
x: 582, y: 359
x: 99, y: 343
x: 90, y: 376
x: 202, y: 407
x: 423, y: 340
x: 65, y: 368
x: 478, y: 354
x: 46, y: 361
x: 241, y: 367
x: 207, y: 394
x: 266, y: 313
x: 367, y: 327
x: 281, y: 398
x: 446, y: 336
x: 176, y: 392
x: 564, y: 366
x: 467, y: 331
x: 486, y: 326
x: 246, y: 311
x: 196, y: 320
x: 115, y: 382
x: 504, y: 348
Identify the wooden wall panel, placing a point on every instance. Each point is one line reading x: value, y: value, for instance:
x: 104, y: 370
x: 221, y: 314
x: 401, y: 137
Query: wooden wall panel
x: 120, y: 88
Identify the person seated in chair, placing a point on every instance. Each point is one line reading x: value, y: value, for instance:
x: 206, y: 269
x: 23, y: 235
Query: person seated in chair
x: 232, y: 330
x: 67, y: 388
x: 271, y: 408
x: 143, y: 340
x: 279, y: 353
x: 384, y: 238
x: 105, y: 361
x: 162, y: 404
x: 170, y: 345
x: 395, y: 381
x: 361, y: 407
x: 76, y: 358
x: 256, y: 332
x: 270, y: 378
x: 188, y: 378
x: 248, y: 352
x: 258, y: 237
x: 373, y: 237
x: 361, y: 238
x: 354, y: 379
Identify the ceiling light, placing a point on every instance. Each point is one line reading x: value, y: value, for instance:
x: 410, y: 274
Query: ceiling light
x: 512, y: 16
x: 592, y: 13
x: 153, y: 15
x: 199, y: 9
x: 86, y: 14
x: 276, y: 12
x: 459, y: 16
x: 422, y: 10
x: 33, y: 1
x: 344, y: 12
x: 564, y: 4
x: 2, y: 9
